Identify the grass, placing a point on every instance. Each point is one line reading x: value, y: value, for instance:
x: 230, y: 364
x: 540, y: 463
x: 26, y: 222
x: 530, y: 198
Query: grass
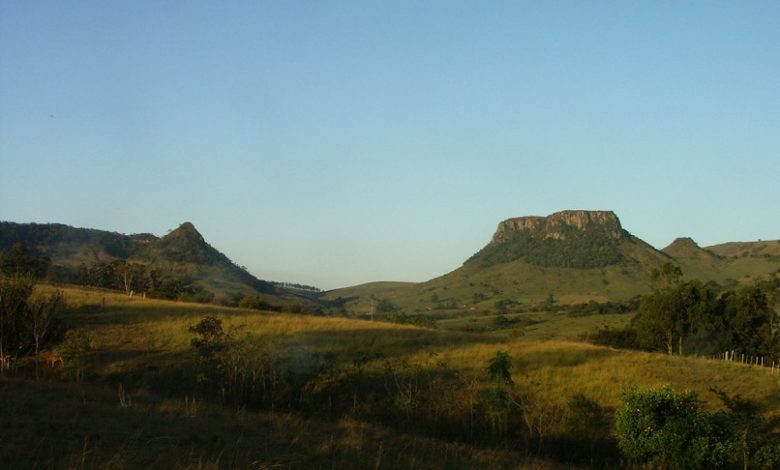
x: 55, y: 425
x: 535, y: 325
x: 144, y: 346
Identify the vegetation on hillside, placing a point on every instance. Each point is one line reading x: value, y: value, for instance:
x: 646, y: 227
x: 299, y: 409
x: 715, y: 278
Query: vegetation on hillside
x: 30, y: 321
x: 482, y: 378
x: 181, y: 265
x: 574, y: 248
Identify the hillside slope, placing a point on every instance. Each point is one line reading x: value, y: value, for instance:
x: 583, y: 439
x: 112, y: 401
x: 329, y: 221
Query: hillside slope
x: 566, y: 257
x: 182, y: 255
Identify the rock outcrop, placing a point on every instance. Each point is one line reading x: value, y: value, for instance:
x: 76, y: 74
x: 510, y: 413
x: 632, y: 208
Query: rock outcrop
x: 559, y: 226
x: 572, y: 239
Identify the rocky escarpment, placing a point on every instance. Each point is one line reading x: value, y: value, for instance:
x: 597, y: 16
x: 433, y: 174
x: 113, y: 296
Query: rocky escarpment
x: 575, y: 239
x: 560, y: 225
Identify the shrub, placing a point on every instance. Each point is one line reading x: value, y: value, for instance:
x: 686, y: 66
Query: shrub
x: 666, y: 429
x: 498, y: 368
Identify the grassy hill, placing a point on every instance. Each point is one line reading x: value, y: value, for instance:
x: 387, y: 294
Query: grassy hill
x: 729, y: 264
x: 182, y: 255
x: 348, y: 393
x: 568, y: 257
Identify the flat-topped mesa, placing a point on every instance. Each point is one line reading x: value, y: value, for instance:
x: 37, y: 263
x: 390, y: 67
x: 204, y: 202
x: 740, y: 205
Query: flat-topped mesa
x: 559, y: 226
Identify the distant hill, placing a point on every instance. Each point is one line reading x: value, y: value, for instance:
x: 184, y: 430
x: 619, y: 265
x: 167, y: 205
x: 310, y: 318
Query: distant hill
x: 759, y: 249
x: 566, y: 257
x: 183, y: 256
x: 684, y: 249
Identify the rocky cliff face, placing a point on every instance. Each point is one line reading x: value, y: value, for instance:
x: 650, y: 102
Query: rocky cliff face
x: 573, y: 239
x: 561, y: 225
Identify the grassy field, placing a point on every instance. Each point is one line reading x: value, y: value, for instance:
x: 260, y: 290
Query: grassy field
x: 360, y: 394
x: 535, y: 325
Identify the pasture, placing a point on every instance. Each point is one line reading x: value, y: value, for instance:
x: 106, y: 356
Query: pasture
x: 345, y: 392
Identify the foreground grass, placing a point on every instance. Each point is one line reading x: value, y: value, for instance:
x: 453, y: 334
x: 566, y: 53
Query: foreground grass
x: 547, y: 357
x: 432, y: 381
x: 56, y: 425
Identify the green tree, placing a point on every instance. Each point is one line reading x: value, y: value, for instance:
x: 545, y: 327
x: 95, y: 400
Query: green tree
x: 210, y: 338
x: 128, y: 275
x: 667, y: 275
x: 750, y: 317
x: 667, y: 316
x: 666, y: 430
x: 499, y: 366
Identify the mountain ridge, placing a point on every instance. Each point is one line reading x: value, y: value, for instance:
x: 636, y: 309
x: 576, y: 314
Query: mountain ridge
x: 183, y: 254
x: 571, y: 256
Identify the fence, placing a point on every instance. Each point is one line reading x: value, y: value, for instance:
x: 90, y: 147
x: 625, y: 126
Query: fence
x: 745, y: 359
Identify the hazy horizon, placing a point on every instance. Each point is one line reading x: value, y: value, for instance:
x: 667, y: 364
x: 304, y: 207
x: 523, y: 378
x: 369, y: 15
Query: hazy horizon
x: 337, y: 144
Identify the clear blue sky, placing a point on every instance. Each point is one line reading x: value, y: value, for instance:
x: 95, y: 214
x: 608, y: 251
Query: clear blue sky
x: 335, y: 143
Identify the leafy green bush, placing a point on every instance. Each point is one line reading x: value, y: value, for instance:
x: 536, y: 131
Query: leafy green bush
x: 76, y: 354
x: 667, y: 429
x: 498, y: 368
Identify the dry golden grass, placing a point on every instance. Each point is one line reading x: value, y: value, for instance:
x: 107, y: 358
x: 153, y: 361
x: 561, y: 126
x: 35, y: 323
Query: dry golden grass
x: 133, y: 338
x: 557, y: 368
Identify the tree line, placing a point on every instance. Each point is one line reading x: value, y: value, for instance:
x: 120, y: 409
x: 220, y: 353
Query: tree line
x: 695, y: 317
x: 122, y: 275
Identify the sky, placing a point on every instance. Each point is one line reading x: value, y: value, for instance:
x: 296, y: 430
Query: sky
x: 336, y: 142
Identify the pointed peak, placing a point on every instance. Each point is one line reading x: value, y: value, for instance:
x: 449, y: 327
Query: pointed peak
x: 185, y: 230
x: 686, y: 248
x: 684, y: 242
x: 186, y: 226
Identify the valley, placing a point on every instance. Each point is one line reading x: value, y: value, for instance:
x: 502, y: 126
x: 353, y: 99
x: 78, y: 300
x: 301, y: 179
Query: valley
x: 382, y: 375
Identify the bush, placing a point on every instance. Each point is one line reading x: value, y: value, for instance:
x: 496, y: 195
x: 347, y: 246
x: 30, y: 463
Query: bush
x: 28, y: 321
x: 75, y: 351
x: 667, y: 429
x: 498, y: 368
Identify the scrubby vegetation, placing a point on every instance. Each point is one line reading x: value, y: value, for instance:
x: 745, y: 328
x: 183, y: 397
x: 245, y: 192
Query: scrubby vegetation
x: 29, y: 321
x: 664, y: 428
x: 593, y: 248
x: 496, y: 380
x: 385, y: 394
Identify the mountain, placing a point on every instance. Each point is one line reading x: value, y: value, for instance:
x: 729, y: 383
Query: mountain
x: 685, y: 249
x: 184, y: 251
x: 567, y: 239
x: 183, y: 256
x: 567, y: 257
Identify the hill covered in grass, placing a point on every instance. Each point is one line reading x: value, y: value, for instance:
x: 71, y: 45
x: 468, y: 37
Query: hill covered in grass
x: 567, y: 257
x: 182, y: 258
